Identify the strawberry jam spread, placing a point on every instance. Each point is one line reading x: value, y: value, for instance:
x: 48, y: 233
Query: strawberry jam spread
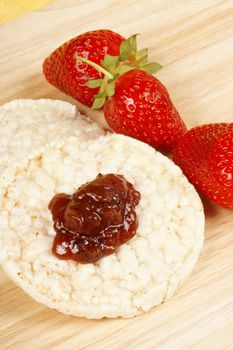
x: 95, y: 220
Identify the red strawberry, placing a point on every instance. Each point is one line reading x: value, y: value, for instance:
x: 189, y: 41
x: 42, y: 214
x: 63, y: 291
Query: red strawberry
x: 62, y: 70
x: 137, y: 105
x: 205, y: 154
x: 141, y: 108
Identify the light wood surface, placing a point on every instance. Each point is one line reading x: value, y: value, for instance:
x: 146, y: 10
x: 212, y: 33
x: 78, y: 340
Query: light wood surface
x: 14, y: 8
x: 193, y: 39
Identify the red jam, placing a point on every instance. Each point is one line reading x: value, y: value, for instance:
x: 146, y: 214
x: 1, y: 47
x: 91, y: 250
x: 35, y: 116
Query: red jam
x: 95, y: 220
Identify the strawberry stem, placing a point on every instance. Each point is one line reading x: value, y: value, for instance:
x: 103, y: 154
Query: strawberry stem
x: 96, y: 66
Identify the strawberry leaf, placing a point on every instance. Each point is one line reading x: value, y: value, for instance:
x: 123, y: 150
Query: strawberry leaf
x: 110, y: 62
x: 141, y: 60
x: 133, y: 44
x: 110, y: 89
x: 128, y: 48
x: 124, y: 68
x: 101, y: 93
x: 151, y: 67
x: 140, y: 53
x: 124, y: 50
x: 94, y: 83
x: 98, y: 102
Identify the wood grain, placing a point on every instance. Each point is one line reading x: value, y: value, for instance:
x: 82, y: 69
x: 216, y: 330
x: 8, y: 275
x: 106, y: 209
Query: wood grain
x: 193, y: 40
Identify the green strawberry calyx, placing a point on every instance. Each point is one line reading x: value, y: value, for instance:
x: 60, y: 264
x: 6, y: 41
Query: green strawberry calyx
x: 113, y: 66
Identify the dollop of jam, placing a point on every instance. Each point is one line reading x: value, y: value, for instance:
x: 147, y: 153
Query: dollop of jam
x: 95, y: 220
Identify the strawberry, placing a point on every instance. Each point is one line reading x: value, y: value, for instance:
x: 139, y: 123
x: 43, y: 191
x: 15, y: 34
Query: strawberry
x: 103, y: 69
x: 141, y: 108
x: 62, y: 70
x: 205, y: 154
x: 135, y: 103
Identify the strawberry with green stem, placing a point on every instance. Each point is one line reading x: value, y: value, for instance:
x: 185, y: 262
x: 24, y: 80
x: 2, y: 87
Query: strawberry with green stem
x: 134, y: 102
x: 112, y: 67
x: 62, y: 70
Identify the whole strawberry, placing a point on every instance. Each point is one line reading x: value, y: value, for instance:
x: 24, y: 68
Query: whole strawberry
x: 62, y: 70
x: 205, y: 154
x: 141, y: 108
x: 135, y: 103
x: 103, y: 69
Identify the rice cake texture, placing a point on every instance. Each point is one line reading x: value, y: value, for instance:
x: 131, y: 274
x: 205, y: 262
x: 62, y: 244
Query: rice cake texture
x: 30, y: 126
x: 144, y: 272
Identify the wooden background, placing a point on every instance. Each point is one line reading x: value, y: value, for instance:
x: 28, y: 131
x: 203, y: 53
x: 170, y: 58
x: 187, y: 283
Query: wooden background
x: 193, y: 39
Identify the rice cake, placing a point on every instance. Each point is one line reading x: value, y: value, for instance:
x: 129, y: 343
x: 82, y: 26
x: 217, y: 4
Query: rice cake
x: 143, y: 272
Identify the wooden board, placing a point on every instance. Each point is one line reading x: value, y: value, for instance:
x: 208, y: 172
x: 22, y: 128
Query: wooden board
x: 193, y: 40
